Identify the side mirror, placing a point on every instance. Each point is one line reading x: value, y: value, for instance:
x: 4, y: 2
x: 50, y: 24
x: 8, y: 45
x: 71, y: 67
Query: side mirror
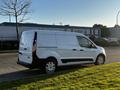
x: 92, y: 46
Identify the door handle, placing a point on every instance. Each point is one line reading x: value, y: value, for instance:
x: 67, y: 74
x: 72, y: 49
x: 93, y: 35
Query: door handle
x: 25, y: 48
x: 81, y: 50
x: 74, y: 49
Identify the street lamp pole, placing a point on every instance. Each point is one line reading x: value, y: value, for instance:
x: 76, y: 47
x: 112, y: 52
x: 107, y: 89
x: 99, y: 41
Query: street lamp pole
x: 117, y: 17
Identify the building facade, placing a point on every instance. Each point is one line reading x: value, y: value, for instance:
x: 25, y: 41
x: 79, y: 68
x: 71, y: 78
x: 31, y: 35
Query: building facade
x: 115, y: 32
x: 8, y: 30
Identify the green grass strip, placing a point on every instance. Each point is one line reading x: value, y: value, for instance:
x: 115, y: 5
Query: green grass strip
x: 103, y: 77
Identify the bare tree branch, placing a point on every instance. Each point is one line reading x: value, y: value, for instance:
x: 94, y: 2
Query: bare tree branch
x: 17, y: 8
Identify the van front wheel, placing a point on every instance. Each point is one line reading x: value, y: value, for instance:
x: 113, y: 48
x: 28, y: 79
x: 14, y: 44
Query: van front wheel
x: 100, y: 60
x: 50, y: 67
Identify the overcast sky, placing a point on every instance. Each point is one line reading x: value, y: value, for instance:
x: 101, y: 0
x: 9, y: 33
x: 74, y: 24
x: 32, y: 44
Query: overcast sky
x: 73, y: 12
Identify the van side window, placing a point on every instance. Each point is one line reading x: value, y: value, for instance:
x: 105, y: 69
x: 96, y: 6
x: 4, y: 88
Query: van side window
x: 84, y: 42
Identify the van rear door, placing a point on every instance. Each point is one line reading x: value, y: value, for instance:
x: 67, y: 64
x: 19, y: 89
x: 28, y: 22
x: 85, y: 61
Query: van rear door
x: 25, y: 48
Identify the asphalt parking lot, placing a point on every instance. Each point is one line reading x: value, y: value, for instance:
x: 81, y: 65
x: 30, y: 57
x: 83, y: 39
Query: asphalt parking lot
x: 10, y: 70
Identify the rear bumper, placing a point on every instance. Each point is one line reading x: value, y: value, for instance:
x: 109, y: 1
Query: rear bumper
x: 35, y: 64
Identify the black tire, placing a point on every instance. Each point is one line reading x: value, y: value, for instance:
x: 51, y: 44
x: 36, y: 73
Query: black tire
x: 50, y: 66
x: 100, y: 60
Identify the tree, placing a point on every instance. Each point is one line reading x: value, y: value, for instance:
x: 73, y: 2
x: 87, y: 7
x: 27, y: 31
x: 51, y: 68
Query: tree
x: 17, y: 8
x: 104, y: 30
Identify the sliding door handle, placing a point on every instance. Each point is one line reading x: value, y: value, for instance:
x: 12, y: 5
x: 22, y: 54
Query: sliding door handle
x: 74, y: 49
x: 81, y: 50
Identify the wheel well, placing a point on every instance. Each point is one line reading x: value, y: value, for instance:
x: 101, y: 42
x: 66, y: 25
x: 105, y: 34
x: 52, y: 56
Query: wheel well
x: 97, y: 58
x: 101, y: 55
x: 53, y: 59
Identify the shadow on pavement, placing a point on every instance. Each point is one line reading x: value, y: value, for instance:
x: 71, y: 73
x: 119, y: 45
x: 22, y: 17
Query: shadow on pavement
x: 28, y: 74
x: 37, y: 72
x: 20, y: 74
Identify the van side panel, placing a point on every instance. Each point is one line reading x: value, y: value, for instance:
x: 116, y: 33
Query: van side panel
x: 66, y: 44
x: 45, y: 40
x: 46, y: 45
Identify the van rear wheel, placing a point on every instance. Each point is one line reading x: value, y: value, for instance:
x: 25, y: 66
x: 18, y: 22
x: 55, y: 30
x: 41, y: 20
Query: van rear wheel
x: 50, y: 67
x: 100, y: 60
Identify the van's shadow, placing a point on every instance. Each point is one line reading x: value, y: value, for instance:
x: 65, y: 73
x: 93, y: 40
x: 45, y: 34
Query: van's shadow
x: 37, y: 73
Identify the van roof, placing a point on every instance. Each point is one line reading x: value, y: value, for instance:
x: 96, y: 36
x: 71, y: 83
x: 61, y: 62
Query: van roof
x: 56, y: 32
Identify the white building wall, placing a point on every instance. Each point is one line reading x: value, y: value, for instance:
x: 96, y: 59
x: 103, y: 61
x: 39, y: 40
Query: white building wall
x: 9, y: 32
x: 115, y: 32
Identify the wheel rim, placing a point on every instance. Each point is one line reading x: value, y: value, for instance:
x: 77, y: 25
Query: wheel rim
x: 100, y: 60
x: 50, y: 67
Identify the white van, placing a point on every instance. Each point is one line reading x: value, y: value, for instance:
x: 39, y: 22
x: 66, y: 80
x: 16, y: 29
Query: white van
x: 50, y: 49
